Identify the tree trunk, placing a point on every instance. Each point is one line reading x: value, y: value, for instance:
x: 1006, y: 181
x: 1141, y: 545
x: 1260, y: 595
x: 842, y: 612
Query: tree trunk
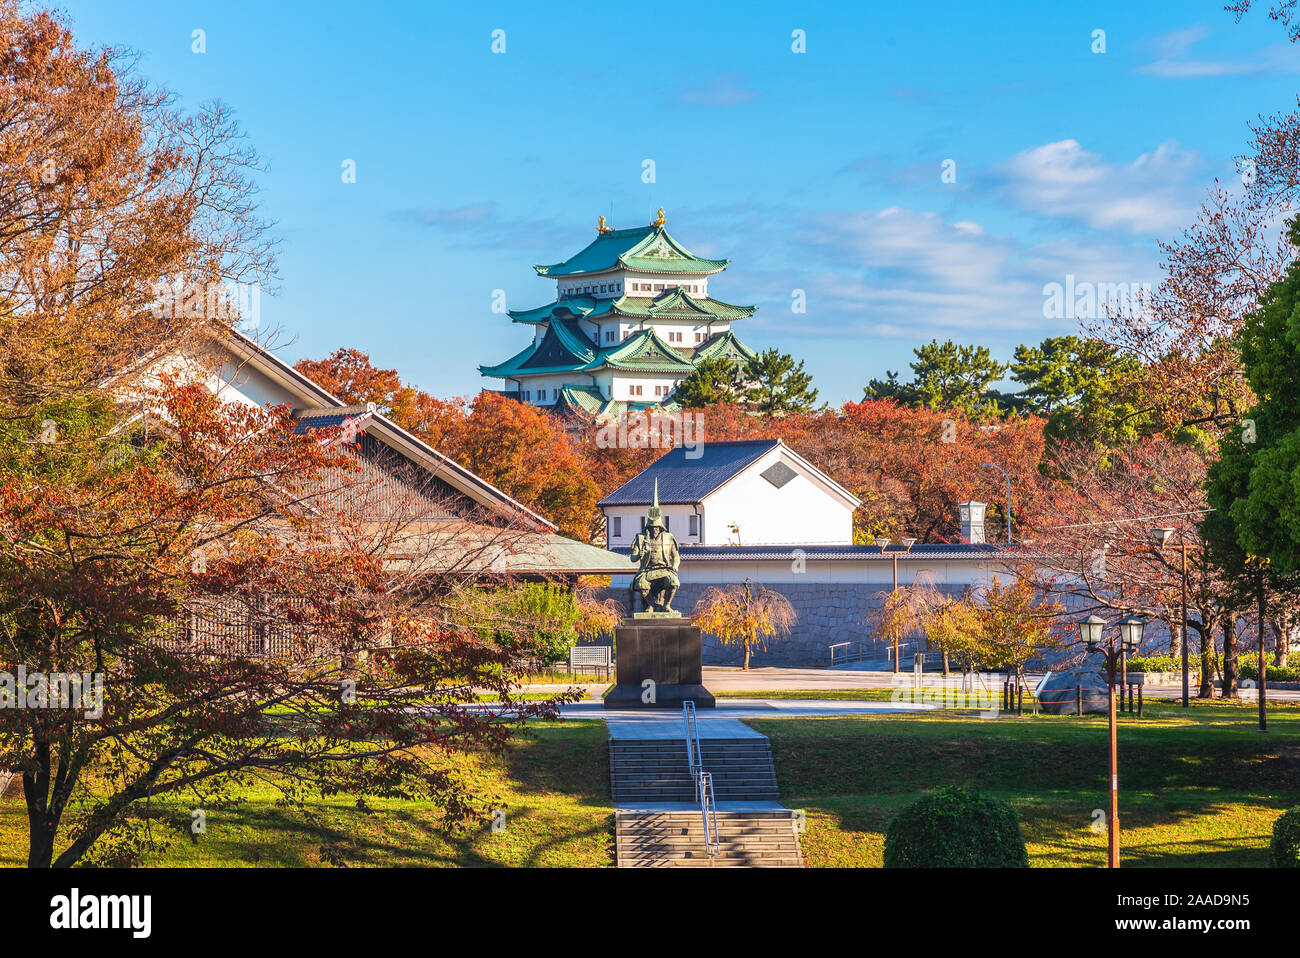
x: 1175, y: 638
x: 746, y: 665
x: 40, y: 826
x: 1282, y: 628
x: 1206, y: 631
x: 1229, y: 657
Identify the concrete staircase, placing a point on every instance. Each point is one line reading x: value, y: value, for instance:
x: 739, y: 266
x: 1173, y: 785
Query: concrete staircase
x: 656, y: 770
x: 666, y: 836
x: 658, y: 821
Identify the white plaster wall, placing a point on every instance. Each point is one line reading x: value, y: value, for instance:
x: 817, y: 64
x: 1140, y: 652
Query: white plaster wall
x: 801, y: 511
x: 866, y: 571
x: 678, y: 517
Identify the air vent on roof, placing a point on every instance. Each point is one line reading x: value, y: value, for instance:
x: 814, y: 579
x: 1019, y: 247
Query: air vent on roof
x: 778, y: 474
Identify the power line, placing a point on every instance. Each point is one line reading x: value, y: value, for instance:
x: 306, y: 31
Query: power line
x: 1115, y: 522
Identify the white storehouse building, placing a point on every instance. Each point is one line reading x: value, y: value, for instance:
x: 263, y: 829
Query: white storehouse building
x: 757, y: 510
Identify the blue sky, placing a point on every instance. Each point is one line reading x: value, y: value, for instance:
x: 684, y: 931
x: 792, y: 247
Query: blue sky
x: 818, y: 171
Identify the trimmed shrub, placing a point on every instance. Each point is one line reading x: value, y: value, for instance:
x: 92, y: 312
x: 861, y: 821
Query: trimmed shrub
x: 1284, y: 852
x: 954, y: 828
x: 1249, y: 669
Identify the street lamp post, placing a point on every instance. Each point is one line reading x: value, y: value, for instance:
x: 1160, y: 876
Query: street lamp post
x: 1130, y: 637
x: 1161, y: 538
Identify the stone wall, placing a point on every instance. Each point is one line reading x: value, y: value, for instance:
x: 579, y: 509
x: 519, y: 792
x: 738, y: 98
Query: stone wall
x: 827, y: 614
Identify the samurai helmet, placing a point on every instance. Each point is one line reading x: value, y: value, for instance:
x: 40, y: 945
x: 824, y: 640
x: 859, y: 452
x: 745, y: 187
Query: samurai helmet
x: 655, y: 517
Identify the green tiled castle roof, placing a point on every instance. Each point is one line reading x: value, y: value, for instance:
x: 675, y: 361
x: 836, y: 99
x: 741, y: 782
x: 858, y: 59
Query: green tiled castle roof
x: 645, y: 248
x: 564, y: 349
x: 644, y: 350
x: 588, y: 400
x: 670, y: 304
x: 723, y: 344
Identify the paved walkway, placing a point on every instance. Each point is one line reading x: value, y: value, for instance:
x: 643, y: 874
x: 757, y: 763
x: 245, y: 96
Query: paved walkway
x: 725, y: 721
x: 720, y: 680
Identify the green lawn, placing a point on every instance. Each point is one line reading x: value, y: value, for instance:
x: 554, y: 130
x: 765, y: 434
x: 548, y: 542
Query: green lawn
x: 1196, y: 789
x: 554, y: 789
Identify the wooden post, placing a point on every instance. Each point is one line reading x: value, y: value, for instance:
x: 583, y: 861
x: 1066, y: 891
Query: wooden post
x: 1078, y: 700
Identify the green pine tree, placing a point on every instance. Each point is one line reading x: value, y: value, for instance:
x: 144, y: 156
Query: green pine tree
x: 775, y: 384
x: 715, y: 380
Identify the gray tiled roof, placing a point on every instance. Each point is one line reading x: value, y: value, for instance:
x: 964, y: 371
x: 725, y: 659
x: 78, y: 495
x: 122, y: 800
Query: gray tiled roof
x: 686, y: 481
x: 922, y: 551
x: 326, y: 421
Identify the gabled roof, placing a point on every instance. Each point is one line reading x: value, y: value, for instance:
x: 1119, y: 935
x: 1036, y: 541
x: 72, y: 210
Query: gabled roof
x: 686, y: 480
x: 645, y: 248
x: 723, y: 344
x: 249, y: 350
x: 562, y: 348
x: 676, y: 303
x: 683, y: 481
x: 590, y: 401
x: 323, y: 409
x: 673, y: 303
x: 643, y: 351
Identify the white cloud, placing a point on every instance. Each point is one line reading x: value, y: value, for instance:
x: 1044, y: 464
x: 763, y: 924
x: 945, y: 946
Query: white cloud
x: 723, y: 90
x: 1148, y: 196
x: 910, y: 274
x: 1171, y: 45
x: 1171, y: 49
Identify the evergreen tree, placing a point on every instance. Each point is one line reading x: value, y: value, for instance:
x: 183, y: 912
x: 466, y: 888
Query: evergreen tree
x: 715, y: 380
x: 1082, y: 387
x: 775, y: 383
x: 1256, y: 482
x: 946, y: 376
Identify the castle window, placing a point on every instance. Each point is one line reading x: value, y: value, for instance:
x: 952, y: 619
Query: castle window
x: 634, y: 390
x: 695, y: 526
x: 617, y: 532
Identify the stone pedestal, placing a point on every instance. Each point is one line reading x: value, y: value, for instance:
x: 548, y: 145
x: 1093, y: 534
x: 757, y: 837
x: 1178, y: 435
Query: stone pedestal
x: 666, y: 651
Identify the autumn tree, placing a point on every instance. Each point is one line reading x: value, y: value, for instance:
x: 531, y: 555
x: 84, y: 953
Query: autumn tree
x: 522, y: 450
x: 227, y: 615
x: 124, y: 223
x: 525, y: 452
x: 740, y: 615
x: 211, y: 582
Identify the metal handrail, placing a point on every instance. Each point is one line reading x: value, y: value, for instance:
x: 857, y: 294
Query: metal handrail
x: 693, y: 761
x: 709, y: 815
x: 703, y: 781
